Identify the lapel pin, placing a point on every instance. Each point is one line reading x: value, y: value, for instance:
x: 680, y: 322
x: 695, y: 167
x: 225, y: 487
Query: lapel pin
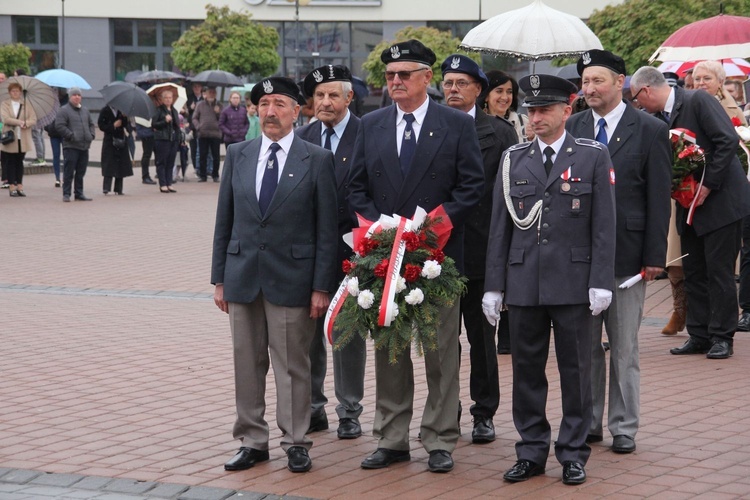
x: 618, y: 139
x: 344, y: 158
x: 291, y: 175
x: 569, y: 150
x: 430, y: 134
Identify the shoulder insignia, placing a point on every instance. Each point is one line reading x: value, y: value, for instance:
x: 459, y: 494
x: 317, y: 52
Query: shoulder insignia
x: 589, y: 142
x: 519, y: 146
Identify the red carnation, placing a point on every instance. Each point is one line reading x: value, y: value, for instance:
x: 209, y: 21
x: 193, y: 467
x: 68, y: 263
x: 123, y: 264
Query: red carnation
x: 411, y: 273
x: 366, y: 245
x: 347, y: 266
x: 381, y: 270
x: 437, y: 255
x: 736, y: 121
x: 412, y: 241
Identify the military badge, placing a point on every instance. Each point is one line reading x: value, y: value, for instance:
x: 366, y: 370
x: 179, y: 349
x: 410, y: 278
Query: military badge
x: 455, y: 63
x: 534, y: 81
x: 267, y: 87
x: 395, y: 52
x: 586, y: 58
x: 318, y: 77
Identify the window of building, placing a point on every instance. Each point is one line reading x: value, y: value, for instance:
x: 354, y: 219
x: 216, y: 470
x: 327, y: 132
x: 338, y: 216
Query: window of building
x: 40, y: 35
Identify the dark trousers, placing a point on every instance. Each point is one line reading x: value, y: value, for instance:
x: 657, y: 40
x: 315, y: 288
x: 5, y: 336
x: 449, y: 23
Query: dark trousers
x: 207, y: 145
x: 107, y: 185
x: 529, y: 344
x: 148, y: 149
x: 193, y: 152
x: 74, y: 168
x: 3, y: 172
x: 56, y: 143
x: 709, y: 282
x: 14, y: 167
x: 484, y: 385
x: 165, y: 153
x: 744, y: 294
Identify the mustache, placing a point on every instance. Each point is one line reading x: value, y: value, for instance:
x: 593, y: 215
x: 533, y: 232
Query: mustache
x: 271, y: 120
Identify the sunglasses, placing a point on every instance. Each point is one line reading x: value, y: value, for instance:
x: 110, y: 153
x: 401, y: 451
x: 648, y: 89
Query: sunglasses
x: 402, y: 75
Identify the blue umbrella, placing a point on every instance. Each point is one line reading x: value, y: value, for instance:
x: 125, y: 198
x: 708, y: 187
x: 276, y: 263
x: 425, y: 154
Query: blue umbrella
x: 63, y: 78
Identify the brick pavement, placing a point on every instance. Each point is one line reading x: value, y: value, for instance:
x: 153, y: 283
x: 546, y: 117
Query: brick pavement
x: 115, y: 364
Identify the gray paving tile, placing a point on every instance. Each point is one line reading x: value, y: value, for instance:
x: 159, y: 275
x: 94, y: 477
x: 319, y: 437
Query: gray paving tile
x: 62, y: 480
x: 20, y: 476
x: 206, y: 493
x: 93, y: 482
x: 129, y: 486
x: 167, y: 490
x: 44, y: 491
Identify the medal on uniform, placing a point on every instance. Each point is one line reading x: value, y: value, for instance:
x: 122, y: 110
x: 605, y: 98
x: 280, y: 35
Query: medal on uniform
x: 576, y: 205
x: 565, y: 187
x: 565, y: 176
x: 520, y: 205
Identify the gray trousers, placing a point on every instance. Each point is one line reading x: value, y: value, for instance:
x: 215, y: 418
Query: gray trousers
x: 348, y: 374
x: 37, y: 136
x: 260, y: 328
x: 622, y: 320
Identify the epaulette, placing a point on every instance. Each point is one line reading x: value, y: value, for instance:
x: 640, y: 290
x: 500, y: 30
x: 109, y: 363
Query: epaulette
x: 520, y: 145
x: 590, y: 143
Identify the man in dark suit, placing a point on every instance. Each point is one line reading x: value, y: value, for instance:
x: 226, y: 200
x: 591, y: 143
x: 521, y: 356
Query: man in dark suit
x: 551, y: 257
x: 463, y: 82
x: 273, y: 267
x: 713, y: 240
x: 639, y: 147
x: 417, y: 153
x: 330, y: 87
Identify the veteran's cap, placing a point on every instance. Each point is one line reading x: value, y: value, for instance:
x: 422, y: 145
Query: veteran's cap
x: 328, y: 73
x: 604, y: 58
x: 543, y: 90
x: 459, y: 63
x: 410, y: 50
x: 275, y: 85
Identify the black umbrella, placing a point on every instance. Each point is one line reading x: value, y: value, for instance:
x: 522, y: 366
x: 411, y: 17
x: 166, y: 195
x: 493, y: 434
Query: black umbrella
x: 216, y: 78
x: 360, y: 87
x: 569, y: 72
x: 129, y: 99
x: 132, y: 76
x: 158, y: 75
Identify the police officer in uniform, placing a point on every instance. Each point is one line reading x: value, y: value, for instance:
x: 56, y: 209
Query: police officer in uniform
x: 551, y: 258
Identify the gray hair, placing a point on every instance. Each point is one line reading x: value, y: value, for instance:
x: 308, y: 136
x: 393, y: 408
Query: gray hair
x: 648, y: 76
x: 714, y: 67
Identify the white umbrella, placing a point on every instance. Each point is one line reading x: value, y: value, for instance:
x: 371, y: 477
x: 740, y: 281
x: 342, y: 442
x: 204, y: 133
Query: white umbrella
x: 533, y: 32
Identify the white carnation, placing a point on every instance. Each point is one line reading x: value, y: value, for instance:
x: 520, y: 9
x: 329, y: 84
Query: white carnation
x: 353, y: 287
x: 400, y: 284
x: 744, y: 133
x: 365, y: 299
x: 431, y: 269
x: 394, y: 310
x: 414, y: 297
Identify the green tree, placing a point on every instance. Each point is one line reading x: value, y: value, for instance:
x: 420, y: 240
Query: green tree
x: 230, y: 41
x: 14, y: 56
x: 634, y: 29
x: 441, y: 42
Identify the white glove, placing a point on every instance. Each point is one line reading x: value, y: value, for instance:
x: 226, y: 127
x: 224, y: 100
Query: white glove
x: 492, y: 302
x: 600, y: 300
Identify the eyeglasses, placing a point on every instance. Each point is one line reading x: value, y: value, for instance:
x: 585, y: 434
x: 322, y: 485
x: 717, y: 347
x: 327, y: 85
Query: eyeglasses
x: 635, y: 97
x: 460, y: 84
x: 402, y: 75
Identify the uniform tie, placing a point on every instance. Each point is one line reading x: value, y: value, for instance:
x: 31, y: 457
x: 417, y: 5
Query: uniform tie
x: 601, y: 136
x: 329, y: 132
x: 664, y: 115
x: 408, y: 144
x: 548, y: 152
x: 270, y: 179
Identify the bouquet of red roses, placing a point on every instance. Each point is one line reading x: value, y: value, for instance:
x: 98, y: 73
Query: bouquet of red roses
x: 396, y: 283
x: 687, y: 158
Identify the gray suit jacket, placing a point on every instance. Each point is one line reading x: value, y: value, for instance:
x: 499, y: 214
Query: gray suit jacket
x: 642, y: 157
x: 574, y: 249
x: 290, y: 251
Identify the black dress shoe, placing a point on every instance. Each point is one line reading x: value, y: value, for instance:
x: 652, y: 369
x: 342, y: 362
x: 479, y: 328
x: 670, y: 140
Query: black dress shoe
x: 149, y: 180
x: 349, y: 428
x: 484, y: 430
x: 720, y: 350
x: 318, y: 423
x: 743, y: 325
x: 623, y: 444
x: 573, y: 473
x: 216, y: 179
x: 83, y: 198
x: 523, y: 470
x: 503, y: 349
x: 691, y: 346
x: 299, y: 460
x: 383, y: 457
x: 202, y: 179
x: 440, y: 461
x: 594, y: 438
x: 246, y: 458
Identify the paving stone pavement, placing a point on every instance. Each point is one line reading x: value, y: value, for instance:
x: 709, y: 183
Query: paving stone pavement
x: 116, y: 378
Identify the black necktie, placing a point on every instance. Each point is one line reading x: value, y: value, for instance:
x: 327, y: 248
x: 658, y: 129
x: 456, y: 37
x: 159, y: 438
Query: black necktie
x: 408, y: 144
x: 548, y: 152
x: 329, y: 132
x: 270, y: 179
x: 664, y: 116
x: 601, y: 136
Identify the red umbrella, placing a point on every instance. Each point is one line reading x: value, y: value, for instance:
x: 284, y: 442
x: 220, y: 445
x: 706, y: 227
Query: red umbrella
x: 733, y: 67
x: 718, y: 37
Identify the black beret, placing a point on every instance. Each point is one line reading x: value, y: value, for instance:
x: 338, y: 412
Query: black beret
x: 604, y: 58
x: 328, y: 73
x: 543, y: 90
x: 275, y: 85
x: 410, y: 50
x: 458, y: 63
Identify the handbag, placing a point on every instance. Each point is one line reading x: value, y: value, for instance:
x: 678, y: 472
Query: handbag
x: 118, y: 142
x: 7, y: 137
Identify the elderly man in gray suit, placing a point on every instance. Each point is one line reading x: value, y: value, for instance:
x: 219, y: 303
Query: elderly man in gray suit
x: 273, y: 263
x: 642, y: 157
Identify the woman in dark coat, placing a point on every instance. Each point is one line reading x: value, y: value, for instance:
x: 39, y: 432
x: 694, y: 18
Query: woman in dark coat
x: 166, y: 125
x: 116, y: 162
